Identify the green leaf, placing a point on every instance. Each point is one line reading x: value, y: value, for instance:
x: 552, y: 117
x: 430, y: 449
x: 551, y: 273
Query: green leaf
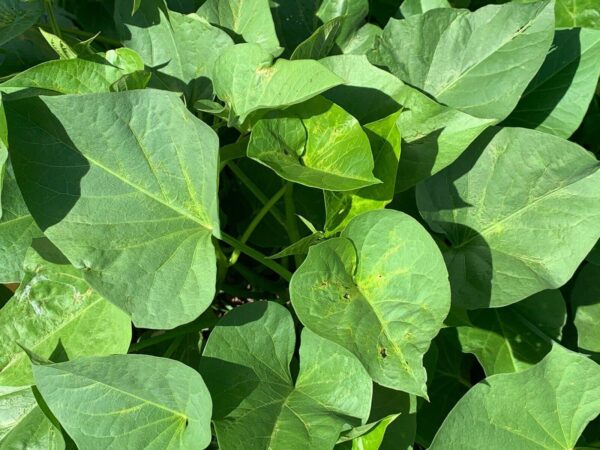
x: 300, y: 247
x: 558, y: 97
x: 381, y: 291
x: 179, y: 49
x: 74, y: 76
x: 132, y: 200
x: 544, y: 407
x: 18, y: 15
x: 128, y: 401
x: 315, y: 143
x: 515, y: 337
x: 134, y: 80
x: 23, y: 424
x: 503, y: 251
x: 384, y: 136
x: 362, y: 41
x: 370, y: 436
x: 354, y: 13
x: 3, y: 149
x: 246, y: 364
x: 321, y: 42
x: 17, y: 229
x: 501, y: 48
x: 577, y: 13
x: 585, y: 301
x: 433, y: 135
x: 62, y: 49
x: 415, y: 7
x: 55, y: 314
x: 250, y: 19
x: 247, y: 80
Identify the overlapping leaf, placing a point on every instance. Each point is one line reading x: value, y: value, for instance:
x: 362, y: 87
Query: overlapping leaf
x: 246, y: 365
x: 544, y: 407
x: 315, y: 143
x: 520, y: 210
x: 55, y: 314
x: 128, y: 401
x: 132, y: 200
x: 585, y: 301
x: 381, y: 291
x: 577, y: 13
x: 446, y: 52
x: 18, y: 15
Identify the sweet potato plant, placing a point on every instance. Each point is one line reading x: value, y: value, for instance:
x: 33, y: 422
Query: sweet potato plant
x: 299, y: 224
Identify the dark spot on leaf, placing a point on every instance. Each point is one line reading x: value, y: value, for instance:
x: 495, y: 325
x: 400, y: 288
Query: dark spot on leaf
x: 347, y: 295
x: 383, y: 352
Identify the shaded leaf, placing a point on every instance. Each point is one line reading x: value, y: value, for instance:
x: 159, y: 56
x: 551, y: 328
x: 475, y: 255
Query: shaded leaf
x: 381, y: 291
x: 246, y: 364
x: 321, y: 42
x: 545, y: 407
x: 16, y: 16
x: 585, y: 301
x: 534, y: 239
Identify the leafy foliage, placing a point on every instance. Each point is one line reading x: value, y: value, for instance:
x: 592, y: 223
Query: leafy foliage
x: 290, y: 225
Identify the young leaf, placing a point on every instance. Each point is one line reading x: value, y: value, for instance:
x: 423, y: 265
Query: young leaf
x: 381, y: 291
x: 55, y: 312
x: 341, y: 207
x: 315, y: 143
x: 128, y: 401
x: 62, y: 49
x: 76, y: 75
x: 246, y: 78
x: 410, y: 8
x: 515, y: 337
x: 258, y: 406
x: 132, y: 200
x: 545, y: 407
x: 180, y: 50
x: 577, y: 13
x: 321, y: 42
x: 557, y: 98
x: 585, y: 301
x: 18, y: 15
x: 24, y: 424
x: 17, y: 229
x: 501, y: 48
x: 354, y: 13
x: 250, y: 19
x: 503, y: 251
x: 433, y: 135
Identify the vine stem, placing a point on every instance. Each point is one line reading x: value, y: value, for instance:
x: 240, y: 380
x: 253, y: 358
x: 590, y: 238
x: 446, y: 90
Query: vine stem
x: 52, y: 18
x: 255, y: 221
x: 255, y: 190
x: 290, y: 218
x: 257, y: 256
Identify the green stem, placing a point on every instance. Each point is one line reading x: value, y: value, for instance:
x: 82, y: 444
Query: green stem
x: 255, y: 190
x: 255, y: 221
x: 52, y: 18
x: 290, y: 219
x: 257, y: 256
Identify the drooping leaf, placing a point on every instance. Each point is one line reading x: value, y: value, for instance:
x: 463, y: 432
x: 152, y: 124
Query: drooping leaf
x: 544, y: 407
x: 410, y: 8
x: 74, y: 76
x: 128, y: 401
x: 131, y: 200
x: 246, y: 78
x: 321, y: 42
x: 55, y: 313
x: 557, y: 98
x: 433, y: 135
x: 577, y: 13
x: 501, y: 48
x: 17, y: 229
x: 315, y: 143
x: 180, y: 50
x: 515, y: 337
x: 18, y: 15
x: 250, y: 19
x: 520, y: 210
x: 381, y: 291
x: 23, y: 424
x: 246, y: 364
x: 585, y: 301
x: 341, y: 207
